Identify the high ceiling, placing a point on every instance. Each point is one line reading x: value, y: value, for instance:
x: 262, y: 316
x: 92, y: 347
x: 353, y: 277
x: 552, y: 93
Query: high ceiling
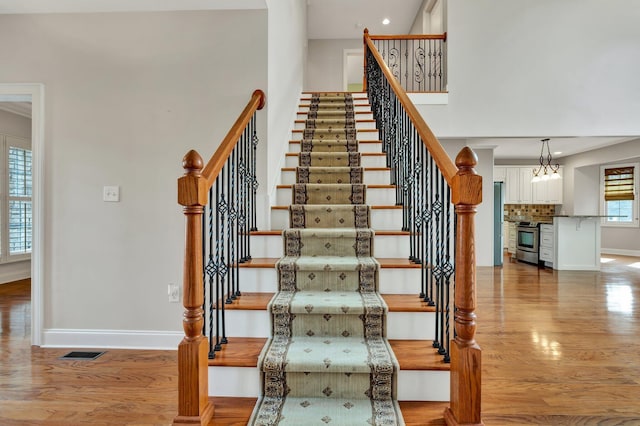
x: 326, y: 19
x: 347, y: 19
x: 529, y: 148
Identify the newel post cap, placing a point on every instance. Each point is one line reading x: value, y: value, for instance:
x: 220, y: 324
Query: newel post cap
x: 192, y: 163
x: 192, y: 186
x: 466, y: 186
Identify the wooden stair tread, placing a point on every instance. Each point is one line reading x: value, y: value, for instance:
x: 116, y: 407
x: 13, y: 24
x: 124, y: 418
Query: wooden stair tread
x: 385, y: 262
x: 359, y: 130
x: 406, y: 303
x: 252, y: 301
x: 366, y: 169
x: 289, y: 186
x: 279, y: 231
x: 389, y: 207
x: 231, y: 411
x: 362, y: 120
x: 418, y: 355
x: 355, y: 112
x: 359, y: 141
x: 411, y: 354
x: 239, y: 352
x: 423, y: 413
x: 235, y: 411
x: 364, y: 154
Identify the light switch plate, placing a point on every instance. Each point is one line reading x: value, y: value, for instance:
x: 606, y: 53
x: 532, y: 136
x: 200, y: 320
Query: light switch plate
x: 111, y: 193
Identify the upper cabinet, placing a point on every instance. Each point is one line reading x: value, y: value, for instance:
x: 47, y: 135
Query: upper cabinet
x: 518, y: 185
x: 548, y: 191
x: 520, y: 190
x: 499, y: 174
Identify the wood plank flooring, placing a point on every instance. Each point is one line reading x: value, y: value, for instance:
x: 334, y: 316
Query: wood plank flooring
x: 559, y: 348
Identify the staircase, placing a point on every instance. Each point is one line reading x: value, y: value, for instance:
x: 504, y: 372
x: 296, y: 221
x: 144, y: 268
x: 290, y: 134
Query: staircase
x: 342, y: 172
x: 247, y: 294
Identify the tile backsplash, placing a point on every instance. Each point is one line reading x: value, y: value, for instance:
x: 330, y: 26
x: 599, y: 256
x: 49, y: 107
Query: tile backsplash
x: 529, y: 211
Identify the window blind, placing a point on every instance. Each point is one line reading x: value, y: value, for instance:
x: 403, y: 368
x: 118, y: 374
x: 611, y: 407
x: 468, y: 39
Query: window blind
x: 618, y: 183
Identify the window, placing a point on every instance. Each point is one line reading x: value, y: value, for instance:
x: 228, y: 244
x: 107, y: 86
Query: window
x: 620, y: 194
x: 16, y: 212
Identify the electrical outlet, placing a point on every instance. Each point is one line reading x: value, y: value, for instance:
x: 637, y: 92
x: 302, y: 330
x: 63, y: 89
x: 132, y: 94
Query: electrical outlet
x: 174, y: 293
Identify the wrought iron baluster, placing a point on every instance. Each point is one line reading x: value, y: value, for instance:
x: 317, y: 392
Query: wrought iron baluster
x: 254, y: 180
x: 429, y: 242
x: 449, y: 271
x: 221, y: 260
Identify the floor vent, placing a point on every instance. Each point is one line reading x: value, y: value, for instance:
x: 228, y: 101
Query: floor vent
x: 82, y: 356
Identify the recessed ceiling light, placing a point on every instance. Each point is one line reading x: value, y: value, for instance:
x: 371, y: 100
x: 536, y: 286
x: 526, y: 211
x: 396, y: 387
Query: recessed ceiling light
x: 557, y: 153
x: 386, y: 21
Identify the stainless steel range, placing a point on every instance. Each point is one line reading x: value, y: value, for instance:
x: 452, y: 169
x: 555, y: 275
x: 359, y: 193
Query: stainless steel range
x: 527, y: 242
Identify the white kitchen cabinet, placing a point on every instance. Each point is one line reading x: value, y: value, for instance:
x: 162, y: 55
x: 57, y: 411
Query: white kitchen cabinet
x: 518, y: 185
x: 548, y: 191
x: 520, y: 190
x: 513, y: 235
x: 546, y: 244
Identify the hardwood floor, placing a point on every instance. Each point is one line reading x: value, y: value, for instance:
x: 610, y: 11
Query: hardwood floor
x: 559, y: 348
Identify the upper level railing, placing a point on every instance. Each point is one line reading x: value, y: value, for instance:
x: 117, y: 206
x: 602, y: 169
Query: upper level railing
x: 439, y: 200
x: 417, y: 61
x: 219, y: 201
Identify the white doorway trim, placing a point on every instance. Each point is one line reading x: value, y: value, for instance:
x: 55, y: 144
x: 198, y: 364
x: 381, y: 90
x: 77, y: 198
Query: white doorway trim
x: 345, y: 65
x: 34, y: 92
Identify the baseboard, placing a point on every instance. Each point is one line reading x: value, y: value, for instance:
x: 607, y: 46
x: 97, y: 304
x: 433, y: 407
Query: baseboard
x: 621, y: 252
x: 15, y: 271
x: 111, y: 339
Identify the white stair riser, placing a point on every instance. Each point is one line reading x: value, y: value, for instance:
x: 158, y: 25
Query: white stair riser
x: 392, y: 280
x: 421, y: 385
x: 381, y: 219
x: 413, y: 385
x: 365, y: 161
x: 234, y: 381
x: 362, y: 147
x: 400, y: 325
x: 357, y: 107
x: 370, y: 177
x: 386, y: 220
x: 375, y: 196
x: 383, y: 245
x: 359, y: 124
x: 361, y: 134
x: 360, y: 116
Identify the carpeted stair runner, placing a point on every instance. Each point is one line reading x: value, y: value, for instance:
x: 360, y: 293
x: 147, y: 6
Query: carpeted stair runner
x: 328, y: 361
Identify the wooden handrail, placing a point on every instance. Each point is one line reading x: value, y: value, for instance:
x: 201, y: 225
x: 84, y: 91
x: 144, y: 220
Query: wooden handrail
x: 410, y: 37
x: 444, y: 163
x: 217, y: 160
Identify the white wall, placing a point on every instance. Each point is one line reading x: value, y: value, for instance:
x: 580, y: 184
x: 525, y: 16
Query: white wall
x: 287, y: 38
x: 127, y: 95
x: 325, y: 67
x: 484, y: 215
x: 541, y: 67
x: 581, y: 183
x: 15, y: 125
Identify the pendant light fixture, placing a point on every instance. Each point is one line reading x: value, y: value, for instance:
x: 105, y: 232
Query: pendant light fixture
x: 546, y: 170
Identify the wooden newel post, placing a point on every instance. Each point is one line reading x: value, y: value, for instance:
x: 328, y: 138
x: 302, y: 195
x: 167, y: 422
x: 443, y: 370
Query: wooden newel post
x: 193, y: 400
x: 364, y: 75
x: 465, y: 352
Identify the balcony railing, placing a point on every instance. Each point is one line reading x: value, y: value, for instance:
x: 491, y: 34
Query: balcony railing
x: 417, y: 61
